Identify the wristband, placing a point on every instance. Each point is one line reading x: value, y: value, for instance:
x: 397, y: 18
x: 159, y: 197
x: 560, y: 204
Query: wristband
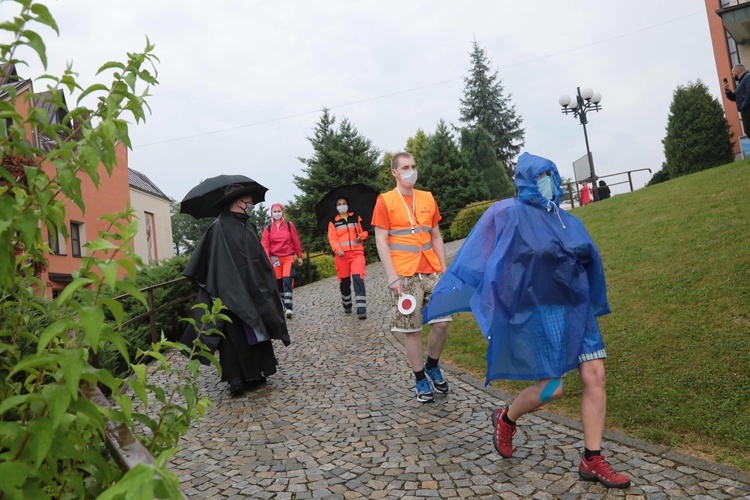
x: 393, y: 282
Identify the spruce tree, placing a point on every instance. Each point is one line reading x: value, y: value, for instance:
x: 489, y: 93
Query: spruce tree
x: 477, y: 148
x: 698, y: 134
x: 417, y: 145
x: 484, y: 103
x: 445, y: 172
x: 340, y: 156
x: 385, y: 178
x: 186, y: 230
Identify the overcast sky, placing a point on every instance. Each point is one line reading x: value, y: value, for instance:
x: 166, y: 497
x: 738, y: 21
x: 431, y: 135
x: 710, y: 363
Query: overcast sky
x: 242, y: 82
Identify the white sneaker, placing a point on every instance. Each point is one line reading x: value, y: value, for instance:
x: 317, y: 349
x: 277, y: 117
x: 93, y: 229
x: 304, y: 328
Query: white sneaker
x: 288, y: 313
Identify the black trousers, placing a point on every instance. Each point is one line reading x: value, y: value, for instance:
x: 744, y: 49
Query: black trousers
x: 745, y: 116
x: 360, y: 295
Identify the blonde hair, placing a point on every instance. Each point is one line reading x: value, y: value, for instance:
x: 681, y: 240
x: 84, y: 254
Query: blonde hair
x: 397, y: 157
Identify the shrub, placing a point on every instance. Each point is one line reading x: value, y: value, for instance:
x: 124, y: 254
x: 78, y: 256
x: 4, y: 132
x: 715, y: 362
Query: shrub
x: 325, y: 266
x: 466, y: 219
x: 52, y: 442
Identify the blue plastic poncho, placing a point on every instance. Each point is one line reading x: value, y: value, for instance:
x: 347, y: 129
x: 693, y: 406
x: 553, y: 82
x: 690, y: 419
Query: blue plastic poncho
x: 534, y: 280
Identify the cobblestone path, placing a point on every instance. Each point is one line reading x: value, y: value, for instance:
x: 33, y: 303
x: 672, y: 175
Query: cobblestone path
x: 339, y: 420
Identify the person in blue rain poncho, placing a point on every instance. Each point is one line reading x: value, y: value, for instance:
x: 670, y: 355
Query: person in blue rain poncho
x: 534, y: 280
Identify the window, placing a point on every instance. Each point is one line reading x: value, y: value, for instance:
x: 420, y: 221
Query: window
x: 734, y: 56
x: 75, y: 238
x: 54, y: 241
x: 150, y: 240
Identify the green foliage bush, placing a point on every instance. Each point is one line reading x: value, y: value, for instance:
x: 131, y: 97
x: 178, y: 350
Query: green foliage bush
x: 52, y: 439
x: 325, y: 266
x: 466, y: 219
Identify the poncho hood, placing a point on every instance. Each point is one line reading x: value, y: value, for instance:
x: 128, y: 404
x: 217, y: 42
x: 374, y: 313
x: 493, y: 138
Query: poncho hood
x: 528, y: 170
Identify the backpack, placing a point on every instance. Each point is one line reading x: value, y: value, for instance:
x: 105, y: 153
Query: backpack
x: 288, y: 225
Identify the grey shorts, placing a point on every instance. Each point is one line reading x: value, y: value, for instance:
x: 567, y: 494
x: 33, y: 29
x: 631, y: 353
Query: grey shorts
x: 421, y: 287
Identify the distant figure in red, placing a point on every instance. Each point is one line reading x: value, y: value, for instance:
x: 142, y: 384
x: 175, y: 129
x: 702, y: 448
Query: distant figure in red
x: 586, y: 194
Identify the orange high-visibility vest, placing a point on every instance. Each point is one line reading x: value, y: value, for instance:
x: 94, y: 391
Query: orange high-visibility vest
x: 409, y: 240
x: 342, y: 234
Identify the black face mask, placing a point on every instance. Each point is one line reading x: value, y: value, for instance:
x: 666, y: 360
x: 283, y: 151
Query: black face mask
x: 737, y: 78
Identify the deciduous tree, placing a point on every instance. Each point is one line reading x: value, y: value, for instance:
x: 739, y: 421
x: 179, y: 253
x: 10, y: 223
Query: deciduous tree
x: 53, y: 437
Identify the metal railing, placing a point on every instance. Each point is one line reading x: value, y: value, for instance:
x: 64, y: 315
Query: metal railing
x: 151, y: 310
x: 569, y: 186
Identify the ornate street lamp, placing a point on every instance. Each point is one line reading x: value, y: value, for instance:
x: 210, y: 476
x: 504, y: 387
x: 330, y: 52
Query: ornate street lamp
x: 586, y: 100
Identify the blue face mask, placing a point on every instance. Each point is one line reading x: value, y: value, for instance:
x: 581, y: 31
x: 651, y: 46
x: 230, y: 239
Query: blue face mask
x: 545, y: 186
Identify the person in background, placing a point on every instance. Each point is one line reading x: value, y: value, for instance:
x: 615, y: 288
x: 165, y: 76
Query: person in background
x: 534, y: 280
x: 228, y: 263
x: 281, y: 243
x: 585, y: 193
x: 604, y: 191
x: 741, y: 94
x: 346, y: 236
x: 411, y: 249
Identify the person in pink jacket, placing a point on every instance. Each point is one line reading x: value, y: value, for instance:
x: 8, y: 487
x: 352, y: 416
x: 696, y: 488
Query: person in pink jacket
x: 281, y: 243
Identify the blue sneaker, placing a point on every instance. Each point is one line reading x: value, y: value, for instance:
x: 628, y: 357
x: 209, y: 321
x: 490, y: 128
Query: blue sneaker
x: 436, y: 378
x: 424, y: 392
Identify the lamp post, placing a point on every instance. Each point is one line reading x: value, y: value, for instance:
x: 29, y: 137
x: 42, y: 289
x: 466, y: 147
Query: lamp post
x: 586, y: 100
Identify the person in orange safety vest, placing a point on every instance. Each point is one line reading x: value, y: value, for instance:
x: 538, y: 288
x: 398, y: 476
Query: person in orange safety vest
x: 346, y: 237
x: 411, y: 249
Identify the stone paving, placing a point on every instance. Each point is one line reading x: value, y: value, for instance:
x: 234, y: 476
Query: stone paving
x: 339, y: 420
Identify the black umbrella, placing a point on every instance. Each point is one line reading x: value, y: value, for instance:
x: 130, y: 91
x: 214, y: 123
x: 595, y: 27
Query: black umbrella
x: 360, y: 198
x: 199, y: 202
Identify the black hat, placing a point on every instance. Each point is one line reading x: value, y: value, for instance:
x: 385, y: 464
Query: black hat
x: 234, y: 191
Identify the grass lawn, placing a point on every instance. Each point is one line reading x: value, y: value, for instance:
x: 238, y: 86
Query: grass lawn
x: 677, y: 262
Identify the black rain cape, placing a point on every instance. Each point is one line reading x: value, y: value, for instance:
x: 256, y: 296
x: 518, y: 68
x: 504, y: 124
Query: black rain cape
x: 229, y: 263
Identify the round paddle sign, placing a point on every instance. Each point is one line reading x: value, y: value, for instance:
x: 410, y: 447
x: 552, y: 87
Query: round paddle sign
x: 406, y: 304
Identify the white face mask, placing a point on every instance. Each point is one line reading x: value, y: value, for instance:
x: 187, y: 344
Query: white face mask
x: 409, y: 177
x: 277, y: 215
x: 342, y: 208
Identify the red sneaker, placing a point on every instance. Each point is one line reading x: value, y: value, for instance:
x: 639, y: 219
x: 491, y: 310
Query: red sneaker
x: 503, y: 435
x: 597, y: 469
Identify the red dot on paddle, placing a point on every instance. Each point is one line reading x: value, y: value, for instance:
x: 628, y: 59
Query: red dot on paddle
x: 406, y: 304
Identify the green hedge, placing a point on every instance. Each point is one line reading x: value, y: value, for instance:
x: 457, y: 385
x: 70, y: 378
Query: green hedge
x: 325, y: 266
x: 466, y: 219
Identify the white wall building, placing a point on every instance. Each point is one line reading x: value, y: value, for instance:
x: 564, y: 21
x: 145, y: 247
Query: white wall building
x: 153, y: 241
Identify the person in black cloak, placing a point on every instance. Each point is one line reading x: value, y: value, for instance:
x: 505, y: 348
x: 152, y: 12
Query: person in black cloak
x: 229, y: 263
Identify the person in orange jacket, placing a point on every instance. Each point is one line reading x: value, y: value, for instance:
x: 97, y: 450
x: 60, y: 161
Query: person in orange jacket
x: 413, y: 255
x: 345, y: 234
x: 281, y: 243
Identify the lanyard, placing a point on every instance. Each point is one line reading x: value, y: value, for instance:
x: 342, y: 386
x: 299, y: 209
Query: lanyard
x: 413, y: 210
